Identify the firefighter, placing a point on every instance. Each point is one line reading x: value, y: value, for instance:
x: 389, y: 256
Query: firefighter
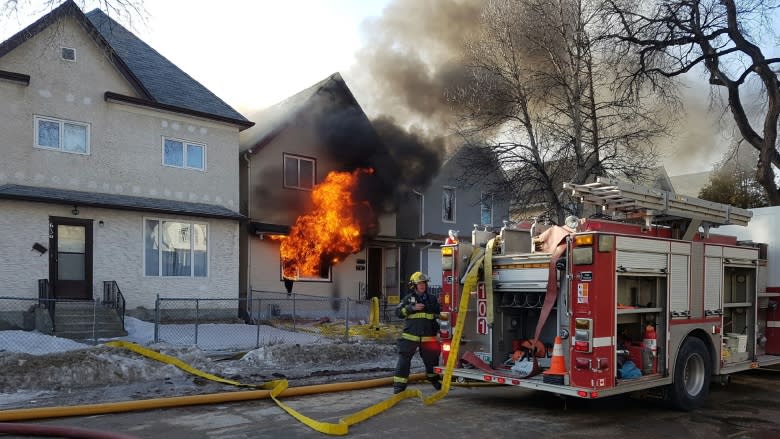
x: 420, y: 311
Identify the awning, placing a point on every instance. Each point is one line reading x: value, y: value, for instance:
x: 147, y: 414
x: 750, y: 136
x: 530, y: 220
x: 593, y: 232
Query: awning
x: 115, y: 201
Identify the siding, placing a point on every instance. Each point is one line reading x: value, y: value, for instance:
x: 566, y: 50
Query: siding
x: 118, y: 254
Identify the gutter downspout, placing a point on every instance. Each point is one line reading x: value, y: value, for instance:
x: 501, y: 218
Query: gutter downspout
x: 248, y: 279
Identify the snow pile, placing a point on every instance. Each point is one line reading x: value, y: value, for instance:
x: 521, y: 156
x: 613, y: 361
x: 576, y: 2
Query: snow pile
x: 36, y: 366
x: 35, y: 343
x: 93, y: 366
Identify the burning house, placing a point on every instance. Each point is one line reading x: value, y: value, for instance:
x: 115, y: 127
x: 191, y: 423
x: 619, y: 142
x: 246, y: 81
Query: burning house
x: 319, y: 188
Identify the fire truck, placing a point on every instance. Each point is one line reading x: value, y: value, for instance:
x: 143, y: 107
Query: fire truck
x: 640, y: 296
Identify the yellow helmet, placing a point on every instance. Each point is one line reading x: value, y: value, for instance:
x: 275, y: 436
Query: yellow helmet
x: 418, y: 277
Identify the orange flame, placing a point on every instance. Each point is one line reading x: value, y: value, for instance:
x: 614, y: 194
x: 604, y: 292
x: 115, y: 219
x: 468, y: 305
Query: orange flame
x: 333, y: 230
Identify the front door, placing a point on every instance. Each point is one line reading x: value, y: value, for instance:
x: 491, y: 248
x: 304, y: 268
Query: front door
x: 70, y: 258
x: 374, y: 275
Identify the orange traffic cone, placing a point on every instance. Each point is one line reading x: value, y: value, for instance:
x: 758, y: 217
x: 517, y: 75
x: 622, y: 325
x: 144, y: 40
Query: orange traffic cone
x: 554, y: 375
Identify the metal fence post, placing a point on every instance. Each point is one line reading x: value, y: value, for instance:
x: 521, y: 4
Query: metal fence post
x: 157, y: 319
x: 94, y: 321
x: 197, y: 315
x: 293, y: 312
x: 346, y: 319
x: 257, y: 325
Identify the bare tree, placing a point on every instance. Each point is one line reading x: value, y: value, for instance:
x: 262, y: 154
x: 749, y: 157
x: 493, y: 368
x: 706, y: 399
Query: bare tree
x: 124, y: 11
x: 542, y: 102
x: 672, y: 37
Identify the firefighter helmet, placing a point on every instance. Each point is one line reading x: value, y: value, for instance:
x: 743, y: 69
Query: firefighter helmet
x: 418, y: 277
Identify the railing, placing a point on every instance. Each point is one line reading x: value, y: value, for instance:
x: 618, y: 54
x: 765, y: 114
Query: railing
x: 113, y: 298
x: 46, y: 298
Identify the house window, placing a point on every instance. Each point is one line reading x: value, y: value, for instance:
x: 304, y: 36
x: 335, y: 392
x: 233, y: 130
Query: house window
x: 448, y: 204
x: 184, y: 154
x: 175, y: 249
x: 62, y: 135
x: 486, y: 208
x: 323, y: 276
x: 299, y: 172
x: 68, y: 54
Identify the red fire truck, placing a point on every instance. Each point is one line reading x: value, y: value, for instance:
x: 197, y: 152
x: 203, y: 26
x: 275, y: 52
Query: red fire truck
x: 640, y: 295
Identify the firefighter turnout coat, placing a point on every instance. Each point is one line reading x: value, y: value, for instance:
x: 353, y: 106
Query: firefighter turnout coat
x: 419, y: 325
x: 420, y: 332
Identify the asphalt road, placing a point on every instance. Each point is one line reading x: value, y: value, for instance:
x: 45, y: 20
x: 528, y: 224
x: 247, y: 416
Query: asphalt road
x: 748, y: 407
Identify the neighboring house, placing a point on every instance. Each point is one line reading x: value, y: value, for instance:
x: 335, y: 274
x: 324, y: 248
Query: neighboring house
x: 117, y: 166
x: 294, y: 146
x: 454, y: 200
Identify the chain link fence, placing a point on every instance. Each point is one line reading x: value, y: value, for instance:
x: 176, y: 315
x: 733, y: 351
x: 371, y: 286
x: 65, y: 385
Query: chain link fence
x: 23, y: 320
x: 273, y: 318
x: 211, y: 324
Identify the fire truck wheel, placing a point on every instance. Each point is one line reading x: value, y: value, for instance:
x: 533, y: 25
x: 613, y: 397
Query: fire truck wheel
x: 691, y: 375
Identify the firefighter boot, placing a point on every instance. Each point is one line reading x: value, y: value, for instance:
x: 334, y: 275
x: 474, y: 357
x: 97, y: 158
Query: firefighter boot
x: 398, y: 388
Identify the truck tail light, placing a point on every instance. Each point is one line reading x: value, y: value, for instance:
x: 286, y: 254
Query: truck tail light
x: 445, y: 347
x: 583, y: 335
x: 582, y: 346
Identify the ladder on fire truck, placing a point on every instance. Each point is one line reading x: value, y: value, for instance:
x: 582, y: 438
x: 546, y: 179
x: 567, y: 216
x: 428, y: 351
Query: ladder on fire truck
x: 656, y: 206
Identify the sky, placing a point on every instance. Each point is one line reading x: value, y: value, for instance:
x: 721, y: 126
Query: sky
x: 250, y: 53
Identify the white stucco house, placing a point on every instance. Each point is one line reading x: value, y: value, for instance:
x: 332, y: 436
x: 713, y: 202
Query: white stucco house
x: 116, y: 167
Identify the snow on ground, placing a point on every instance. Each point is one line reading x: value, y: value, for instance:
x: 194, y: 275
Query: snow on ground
x: 41, y: 370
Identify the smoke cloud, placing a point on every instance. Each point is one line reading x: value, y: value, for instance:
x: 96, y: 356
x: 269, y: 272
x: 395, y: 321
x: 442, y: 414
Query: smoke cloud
x: 413, y: 59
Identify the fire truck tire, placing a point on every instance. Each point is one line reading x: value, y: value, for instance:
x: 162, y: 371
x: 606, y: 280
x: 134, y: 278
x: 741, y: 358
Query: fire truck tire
x: 692, y: 373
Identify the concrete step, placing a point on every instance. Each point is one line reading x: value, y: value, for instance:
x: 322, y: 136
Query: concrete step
x: 86, y: 321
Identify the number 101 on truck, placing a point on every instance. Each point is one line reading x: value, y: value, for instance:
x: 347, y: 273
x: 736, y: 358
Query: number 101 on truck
x: 642, y: 295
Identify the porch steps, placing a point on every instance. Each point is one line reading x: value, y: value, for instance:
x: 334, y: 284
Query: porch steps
x: 86, y: 321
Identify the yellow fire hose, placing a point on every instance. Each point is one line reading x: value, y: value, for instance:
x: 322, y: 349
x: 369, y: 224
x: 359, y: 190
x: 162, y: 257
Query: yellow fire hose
x: 272, y: 389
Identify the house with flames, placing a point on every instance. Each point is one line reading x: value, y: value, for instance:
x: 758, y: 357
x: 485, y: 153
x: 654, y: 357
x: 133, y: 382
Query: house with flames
x: 314, y: 148
x: 119, y: 170
x: 466, y: 194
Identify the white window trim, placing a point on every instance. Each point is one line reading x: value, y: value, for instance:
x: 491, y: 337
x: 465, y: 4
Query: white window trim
x: 285, y: 156
x: 306, y: 279
x: 482, y: 196
x: 159, y: 249
x: 454, y: 205
x: 184, y: 143
x: 61, y: 122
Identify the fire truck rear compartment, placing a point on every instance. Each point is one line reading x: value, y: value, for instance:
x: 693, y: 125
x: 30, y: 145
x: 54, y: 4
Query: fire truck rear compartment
x: 516, y: 317
x: 641, y: 309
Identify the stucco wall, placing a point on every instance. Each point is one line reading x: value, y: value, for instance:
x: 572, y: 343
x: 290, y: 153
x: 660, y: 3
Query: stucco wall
x: 125, y: 151
x: 118, y: 254
x: 266, y: 275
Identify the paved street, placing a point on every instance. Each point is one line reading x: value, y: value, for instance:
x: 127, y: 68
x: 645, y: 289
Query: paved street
x: 749, y: 407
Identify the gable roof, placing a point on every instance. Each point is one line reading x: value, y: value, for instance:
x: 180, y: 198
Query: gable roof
x: 274, y: 118
x: 160, y: 83
x: 690, y: 184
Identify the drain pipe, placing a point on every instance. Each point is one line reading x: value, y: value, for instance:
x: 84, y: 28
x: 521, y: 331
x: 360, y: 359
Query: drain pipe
x: 183, y: 401
x: 248, y: 280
